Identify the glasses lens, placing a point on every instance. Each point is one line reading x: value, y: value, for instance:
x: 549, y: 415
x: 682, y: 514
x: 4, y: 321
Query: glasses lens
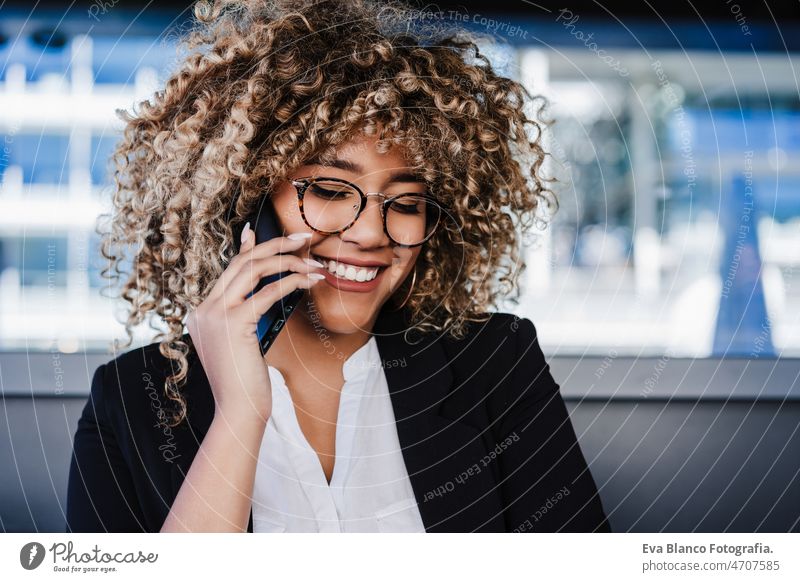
x: 411, y: 219
x: 329, y: 205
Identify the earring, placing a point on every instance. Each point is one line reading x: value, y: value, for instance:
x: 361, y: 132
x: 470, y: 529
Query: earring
x: 410, y: 290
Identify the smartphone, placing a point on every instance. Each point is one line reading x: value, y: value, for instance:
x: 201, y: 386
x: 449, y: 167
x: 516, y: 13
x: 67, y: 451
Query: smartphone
x: 265, y: 226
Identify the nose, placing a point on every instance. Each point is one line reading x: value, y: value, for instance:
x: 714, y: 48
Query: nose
x: 367, y: 231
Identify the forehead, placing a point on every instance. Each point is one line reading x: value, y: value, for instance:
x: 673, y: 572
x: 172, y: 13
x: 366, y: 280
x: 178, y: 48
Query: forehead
x: 365, y: 152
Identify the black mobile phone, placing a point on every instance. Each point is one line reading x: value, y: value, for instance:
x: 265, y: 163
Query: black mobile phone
x: 265, y: 226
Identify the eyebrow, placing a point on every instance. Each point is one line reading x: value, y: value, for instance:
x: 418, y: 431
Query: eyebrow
x: 356, y: 168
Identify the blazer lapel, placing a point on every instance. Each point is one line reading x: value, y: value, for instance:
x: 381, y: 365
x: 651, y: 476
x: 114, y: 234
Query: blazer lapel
x: 437, y: 450
x: 454, y: 493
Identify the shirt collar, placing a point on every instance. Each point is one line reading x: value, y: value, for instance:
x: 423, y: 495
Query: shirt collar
x: 356, y: 368
x: 362, y: 361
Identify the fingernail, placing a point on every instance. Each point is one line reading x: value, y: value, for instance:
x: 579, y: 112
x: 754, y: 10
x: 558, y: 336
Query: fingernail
x: 316, y: 276
x: 245, y: 232
x: 314, y: 263
x: 299, y: 235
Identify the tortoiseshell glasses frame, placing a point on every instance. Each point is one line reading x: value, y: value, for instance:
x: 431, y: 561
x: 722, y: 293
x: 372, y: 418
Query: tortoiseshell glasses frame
x: 302, y: 185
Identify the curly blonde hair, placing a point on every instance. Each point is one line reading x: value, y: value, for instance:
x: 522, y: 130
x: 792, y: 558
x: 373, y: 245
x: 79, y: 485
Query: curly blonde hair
x: 267, y: 85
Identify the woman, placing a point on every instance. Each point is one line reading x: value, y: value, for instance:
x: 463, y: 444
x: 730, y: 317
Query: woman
x: 392, y: 400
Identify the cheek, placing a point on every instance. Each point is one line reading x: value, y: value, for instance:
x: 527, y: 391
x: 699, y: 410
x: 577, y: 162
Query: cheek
x: 287, y: 211
x: 402, y: 265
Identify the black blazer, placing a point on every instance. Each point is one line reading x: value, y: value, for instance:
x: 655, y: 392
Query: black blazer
x: 484, y: 432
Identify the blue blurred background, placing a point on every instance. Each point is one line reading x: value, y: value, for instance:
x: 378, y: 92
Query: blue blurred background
x: 657, y: 117
x: 666, y: 291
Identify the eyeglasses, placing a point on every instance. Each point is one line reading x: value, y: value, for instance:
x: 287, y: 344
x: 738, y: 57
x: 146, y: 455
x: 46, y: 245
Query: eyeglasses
x: 332, y: 205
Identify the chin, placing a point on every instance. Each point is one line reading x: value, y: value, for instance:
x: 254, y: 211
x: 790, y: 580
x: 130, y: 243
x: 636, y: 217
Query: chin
x: 341, y: 313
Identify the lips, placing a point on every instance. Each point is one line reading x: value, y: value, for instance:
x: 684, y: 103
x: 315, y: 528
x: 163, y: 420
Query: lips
x: 347, y: 285
x: 352, y: 261
x: 351, y: 269
x: 342, y: 283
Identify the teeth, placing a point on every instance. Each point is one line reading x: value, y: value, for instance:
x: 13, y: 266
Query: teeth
x: 350, y: 272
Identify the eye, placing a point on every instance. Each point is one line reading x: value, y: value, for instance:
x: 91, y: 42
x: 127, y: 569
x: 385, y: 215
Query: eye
x: 324, y: 193
x: 331, y: 190
x: 408, y: 205
x: 406, y: 208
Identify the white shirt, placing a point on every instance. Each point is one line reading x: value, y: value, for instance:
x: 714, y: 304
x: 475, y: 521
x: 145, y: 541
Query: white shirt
x: 369, y: 490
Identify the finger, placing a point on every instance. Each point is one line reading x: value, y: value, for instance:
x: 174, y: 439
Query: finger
x: 248, y: 239
x: 246, y: 244
x: 252, y: 271
x: 249, y: 250
x: 279, y: 245
x: 274, y: 246
x: 254, y: 307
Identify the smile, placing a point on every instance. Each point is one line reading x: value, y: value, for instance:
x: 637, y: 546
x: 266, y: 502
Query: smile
x: 347, y: 271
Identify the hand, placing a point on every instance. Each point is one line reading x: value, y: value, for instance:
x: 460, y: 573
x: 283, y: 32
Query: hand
x: 223, y: 327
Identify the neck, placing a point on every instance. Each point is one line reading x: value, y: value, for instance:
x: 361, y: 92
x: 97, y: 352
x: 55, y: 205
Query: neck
x: 305, y: 344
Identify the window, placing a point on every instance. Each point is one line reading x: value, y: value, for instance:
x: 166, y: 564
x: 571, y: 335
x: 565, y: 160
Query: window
x: 41, y: 262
